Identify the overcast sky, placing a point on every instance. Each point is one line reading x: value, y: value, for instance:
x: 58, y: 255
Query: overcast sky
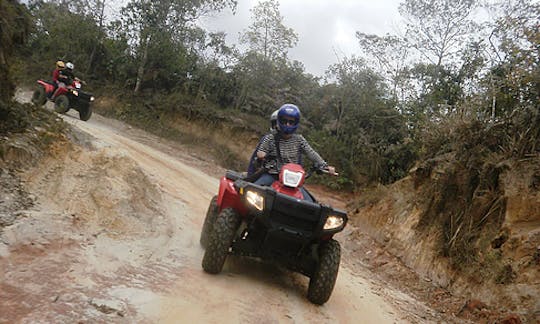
x: 325, y: 28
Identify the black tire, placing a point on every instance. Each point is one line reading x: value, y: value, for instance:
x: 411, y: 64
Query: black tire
x: 61, y: 104
x: 211, y: 215
x: 85, y: 113
x: 39, y: 97
x: 324, y: 278
x: 220, y: 240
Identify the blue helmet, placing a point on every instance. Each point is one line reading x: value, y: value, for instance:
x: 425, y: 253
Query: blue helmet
x: 288, y: 112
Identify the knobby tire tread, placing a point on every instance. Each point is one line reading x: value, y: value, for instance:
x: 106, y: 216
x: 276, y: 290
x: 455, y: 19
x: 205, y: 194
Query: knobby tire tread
x: 211, y: 215
x: 221, y: 238
x: 324, y: 278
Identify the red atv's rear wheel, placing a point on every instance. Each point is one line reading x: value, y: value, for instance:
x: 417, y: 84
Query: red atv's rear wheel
x: 85, y: 113
x: 211, y: 215
x: 324, y: 278
x: 220, y: 240
x: 61, y: 104
x: 39, y: 97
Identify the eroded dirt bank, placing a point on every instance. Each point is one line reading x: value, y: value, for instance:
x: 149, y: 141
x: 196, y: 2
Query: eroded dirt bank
x: 112, y: 236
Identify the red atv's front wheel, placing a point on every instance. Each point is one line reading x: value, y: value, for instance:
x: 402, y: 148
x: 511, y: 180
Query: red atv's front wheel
x: 211, y: 215
x: 61, y: 104
x: 39, y: 97
x: 85, y: 113
x: 220, y: 240
x: 324, y: 278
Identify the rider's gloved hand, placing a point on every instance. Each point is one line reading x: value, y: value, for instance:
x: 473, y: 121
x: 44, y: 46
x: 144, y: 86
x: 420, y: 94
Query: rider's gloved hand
x: 332, y: 170
x: 261, y: 155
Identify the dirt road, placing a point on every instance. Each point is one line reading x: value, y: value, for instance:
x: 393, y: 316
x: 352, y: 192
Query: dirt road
x: 114, y: 237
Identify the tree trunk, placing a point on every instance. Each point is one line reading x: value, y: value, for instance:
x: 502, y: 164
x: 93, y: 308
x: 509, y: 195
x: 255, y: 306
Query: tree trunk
x: 2, y: 59
x: 140, y: 70
x: 241, y: 98
x: 99, y: 39
x: 340, y: 112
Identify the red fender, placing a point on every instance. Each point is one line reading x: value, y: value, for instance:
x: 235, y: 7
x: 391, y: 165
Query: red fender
x: 47, y: 86
x: 60, y: 91
x: 293, y: 192
x: 228, y: 197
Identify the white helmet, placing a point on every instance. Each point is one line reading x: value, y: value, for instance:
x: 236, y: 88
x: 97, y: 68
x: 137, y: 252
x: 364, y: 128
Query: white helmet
x: 70, y: 65
x: 273, y: 120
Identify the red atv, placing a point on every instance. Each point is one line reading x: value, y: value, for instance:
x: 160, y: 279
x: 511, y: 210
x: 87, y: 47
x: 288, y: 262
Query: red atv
x: 64, y: 98
x: 274, y: 224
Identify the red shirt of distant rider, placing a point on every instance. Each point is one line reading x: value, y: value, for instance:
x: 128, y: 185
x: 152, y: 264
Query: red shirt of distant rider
x: 56, y: 73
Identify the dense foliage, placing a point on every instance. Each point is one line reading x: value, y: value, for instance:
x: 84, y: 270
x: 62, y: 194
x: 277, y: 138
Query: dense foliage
x: 372, y: 116
x: 14, y: 27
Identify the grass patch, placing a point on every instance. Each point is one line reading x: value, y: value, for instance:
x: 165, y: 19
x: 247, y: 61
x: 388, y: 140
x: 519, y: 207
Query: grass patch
x: 19, y: 118
x: 26, y: 133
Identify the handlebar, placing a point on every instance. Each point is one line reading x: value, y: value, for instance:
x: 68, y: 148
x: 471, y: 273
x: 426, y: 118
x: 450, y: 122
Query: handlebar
x: 328, y: 172
x: 81, y: 81
x: 318, y: 169
x: 314, y: 168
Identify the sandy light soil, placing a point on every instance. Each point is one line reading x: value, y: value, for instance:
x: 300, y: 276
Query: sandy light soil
x: 113, y: 236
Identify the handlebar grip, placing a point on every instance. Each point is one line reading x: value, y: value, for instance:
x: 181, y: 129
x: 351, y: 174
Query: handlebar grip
x: 324, y: 170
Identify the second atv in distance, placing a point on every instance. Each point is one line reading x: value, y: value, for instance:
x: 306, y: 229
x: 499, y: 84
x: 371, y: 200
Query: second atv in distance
x: 275, y: 224
x: 65, y: 98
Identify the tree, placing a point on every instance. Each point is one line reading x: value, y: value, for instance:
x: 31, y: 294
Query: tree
x: 440, y: 32
x: 267, y: 35
x: 14, y: 28
x: 514, y: 78
x: 97, y: 13
x: 357, y: 87
x: 438, y: 28
x: 145, y: 20
x: 266, y: 77
x: 369, y: 132
x: 93, y: 10
x: 63, y: 34
x: 390, y: 54
x: 212, y: 78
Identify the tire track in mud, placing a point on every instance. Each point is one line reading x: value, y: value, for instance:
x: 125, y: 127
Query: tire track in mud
x: 172, y: 176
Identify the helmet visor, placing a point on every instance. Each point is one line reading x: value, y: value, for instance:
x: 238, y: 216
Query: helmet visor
x: 288, y: 121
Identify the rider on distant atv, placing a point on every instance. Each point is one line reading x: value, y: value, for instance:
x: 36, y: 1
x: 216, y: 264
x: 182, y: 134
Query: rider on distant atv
x: 287, y: 147
x: 66, y: 75
x: 60, y: 65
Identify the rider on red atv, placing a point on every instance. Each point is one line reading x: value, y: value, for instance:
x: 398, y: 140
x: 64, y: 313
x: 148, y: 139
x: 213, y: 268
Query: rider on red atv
x: 276, y: 223
x: 66, y: 76
x: 253, y: 161
x: 286, y: 147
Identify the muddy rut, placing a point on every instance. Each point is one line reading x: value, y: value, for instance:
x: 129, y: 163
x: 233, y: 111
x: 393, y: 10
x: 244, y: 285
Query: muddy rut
x: 114, y: 237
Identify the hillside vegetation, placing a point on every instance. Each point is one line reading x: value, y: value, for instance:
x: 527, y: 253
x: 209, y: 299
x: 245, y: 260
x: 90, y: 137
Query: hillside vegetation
x: 468, y: 218
x: 36, y: 126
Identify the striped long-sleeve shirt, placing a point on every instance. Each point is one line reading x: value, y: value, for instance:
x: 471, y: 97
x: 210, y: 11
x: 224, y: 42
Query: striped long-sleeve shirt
x: 291, y: 150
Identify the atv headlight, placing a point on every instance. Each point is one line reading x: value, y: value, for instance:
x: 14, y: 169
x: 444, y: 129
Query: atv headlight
x: 255, y: 199
x: 75, y: 92
x: 92, y: 98
x: 292, y: 179
x: 333, y: 222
